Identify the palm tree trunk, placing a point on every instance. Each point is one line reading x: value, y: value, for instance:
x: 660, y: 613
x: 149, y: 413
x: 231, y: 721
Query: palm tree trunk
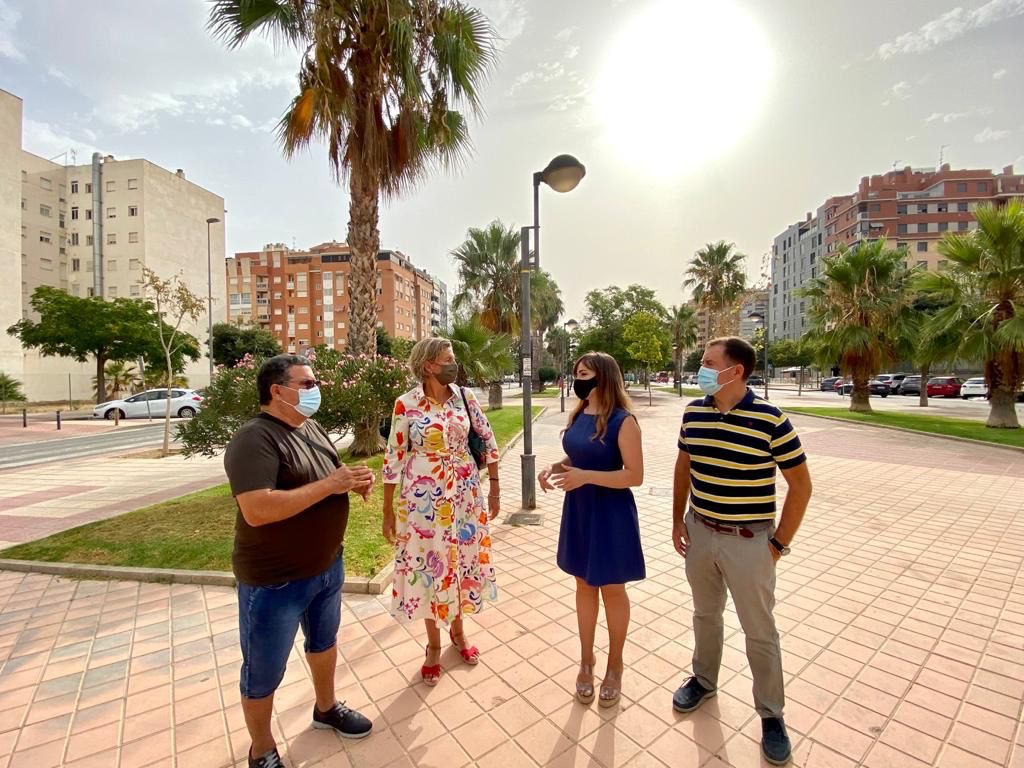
x: 860, y: 397
x: 923, y: 396
x: 494, y: 395
x: 101, y: 381
x: 1002, y: 412
x: 364, y: 239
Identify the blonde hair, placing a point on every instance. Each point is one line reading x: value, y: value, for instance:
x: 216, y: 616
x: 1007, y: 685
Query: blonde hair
x: 611, y: 387
x: 423, y: 352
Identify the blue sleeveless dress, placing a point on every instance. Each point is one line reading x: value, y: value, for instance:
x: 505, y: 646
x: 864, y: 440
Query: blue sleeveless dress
x: 599, y: 540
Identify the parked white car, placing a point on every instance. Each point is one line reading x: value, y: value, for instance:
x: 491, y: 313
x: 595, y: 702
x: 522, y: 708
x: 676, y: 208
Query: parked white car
x: 974, y: 388
x: 185, y: 403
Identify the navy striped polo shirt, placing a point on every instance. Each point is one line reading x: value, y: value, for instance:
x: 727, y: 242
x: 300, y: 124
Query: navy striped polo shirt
x: 733, y: 457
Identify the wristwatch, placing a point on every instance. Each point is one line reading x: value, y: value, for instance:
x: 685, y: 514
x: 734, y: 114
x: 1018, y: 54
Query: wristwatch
x: 779, y: 546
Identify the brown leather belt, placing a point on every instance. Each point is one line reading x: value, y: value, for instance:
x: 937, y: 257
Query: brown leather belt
x: 743, y: 531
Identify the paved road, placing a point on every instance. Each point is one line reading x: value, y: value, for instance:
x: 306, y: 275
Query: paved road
x: 64, y: 448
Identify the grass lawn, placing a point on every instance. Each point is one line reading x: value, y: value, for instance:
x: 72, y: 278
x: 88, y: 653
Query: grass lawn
x: 196, y: 531
x: 937, y: 425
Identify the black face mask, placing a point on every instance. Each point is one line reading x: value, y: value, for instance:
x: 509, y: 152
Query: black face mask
x: 583, y: 387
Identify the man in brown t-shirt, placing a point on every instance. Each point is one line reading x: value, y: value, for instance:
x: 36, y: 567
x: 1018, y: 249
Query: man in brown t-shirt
x: 292, y: 495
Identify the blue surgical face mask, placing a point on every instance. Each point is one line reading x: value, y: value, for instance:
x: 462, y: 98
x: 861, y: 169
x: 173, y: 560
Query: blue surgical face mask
x: 309, y: 400
x: 707, y: 380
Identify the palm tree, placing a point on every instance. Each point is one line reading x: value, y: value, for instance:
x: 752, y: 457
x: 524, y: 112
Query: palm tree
x: 984, y: 286
x: 717, y: 278
x: 10, y: 391
x: 488, y: 267
x: 379, y: 83
x: 682, y: 327
x: 860, y: 312
x: 484, y: 357
x: 118, y: 377
x: 546, y: 308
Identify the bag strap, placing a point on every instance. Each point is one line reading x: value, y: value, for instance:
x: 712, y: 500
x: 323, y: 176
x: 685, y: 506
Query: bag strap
x: 332, y: 455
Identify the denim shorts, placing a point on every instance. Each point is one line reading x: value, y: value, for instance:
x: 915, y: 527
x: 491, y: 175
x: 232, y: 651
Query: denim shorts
x: 269, y: 617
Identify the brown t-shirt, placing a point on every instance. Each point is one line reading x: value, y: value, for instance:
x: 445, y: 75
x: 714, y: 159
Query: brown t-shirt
x: 267, y: 453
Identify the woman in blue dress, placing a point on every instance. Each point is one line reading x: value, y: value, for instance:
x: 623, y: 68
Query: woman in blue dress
x: 599, y: 540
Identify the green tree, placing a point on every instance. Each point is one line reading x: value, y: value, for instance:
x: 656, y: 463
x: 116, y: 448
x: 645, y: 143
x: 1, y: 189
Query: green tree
x: 401, y: 348
x: 984, y: 288
x: 682, y: 327
x: 120, y: 377
x: 607, y: 311
x: 718, y: 280
x: 173, y: 300
x: 10, y: 391
x: 231, y: 343
x: 693, y: 360
x: 645, y: 335
x: 860, y: 312
x: 484, y: 357
x: 380, y: 84
x: 80, y: 328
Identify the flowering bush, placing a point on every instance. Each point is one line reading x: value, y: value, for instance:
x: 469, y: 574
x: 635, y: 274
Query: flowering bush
x: 355, y: 389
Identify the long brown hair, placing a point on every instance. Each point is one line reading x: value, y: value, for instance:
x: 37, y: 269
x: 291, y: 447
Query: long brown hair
x: 609, y: 384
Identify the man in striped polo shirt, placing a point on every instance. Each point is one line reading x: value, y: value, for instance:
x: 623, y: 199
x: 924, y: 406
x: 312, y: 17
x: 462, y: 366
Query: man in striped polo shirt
x: 729, y: 446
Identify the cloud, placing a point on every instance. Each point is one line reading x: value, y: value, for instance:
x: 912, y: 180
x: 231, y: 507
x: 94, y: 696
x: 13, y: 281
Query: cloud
x: 901, y: 90
x: 565, y: 34
x: 572, y: 52
x: 508, y: 17
x: 911, y: 137
x: 950, y: 26
x: 999, y: 74
x: 952, y: 117
x: 56, y: 74
x: 46, y: 141
x: 241, y: 121
x: 8, y: 21
x: 990, y: 134
x: 545, y: 72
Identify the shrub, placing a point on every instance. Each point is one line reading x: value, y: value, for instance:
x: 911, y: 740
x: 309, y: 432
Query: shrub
x: 547, y: 374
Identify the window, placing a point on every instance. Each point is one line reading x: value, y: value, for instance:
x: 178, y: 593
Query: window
x: 922, y: 246
x: 961, y: 226
x: 75, y: 290
x: 110, y: 186
x: 901, y: 209
x: 112, y: 291
x: 74, y: 213
x: 875, y: 207
x: 961, y: 186
x: 922, y: 227
x: 133, y: 210
x: 303, y: 310
x: 111, y: 238
x: 45, y: 237
x: 45, y: 210
x: 111, y: 265
x: 962, y: 207
x: 941, y: 208
x: 111, y: 213
x: 923, y: 264
x: 134, y: 290
x: 943, y: 226
x: 88, y: 239
x: 922, y: 208
x: 60, y: 220
x: 133, y: 237
x: 982, y: 186
x: 24, y: 176
x: 45, y: 183
x: 74, y: 238
x: 277, y: 279
x: 90, y: 292
x: 133, y: 183
x: 88, y: 214
x: 88, y: 191
x: 46, y: 264
x: 74, y: 187
x: 277, y: 294
x: 303, y: 326
x: 76, y: 265
x: 901, y: 229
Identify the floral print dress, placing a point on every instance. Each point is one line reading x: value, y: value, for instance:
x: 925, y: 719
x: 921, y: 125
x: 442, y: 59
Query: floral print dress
x: 443, y: 563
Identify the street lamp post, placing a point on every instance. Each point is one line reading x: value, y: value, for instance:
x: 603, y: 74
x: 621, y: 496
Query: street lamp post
x: 762, y: 320
x: 569, y: 326
x: 209, y: 296
x: 675, y: 370
x: 562, y: 174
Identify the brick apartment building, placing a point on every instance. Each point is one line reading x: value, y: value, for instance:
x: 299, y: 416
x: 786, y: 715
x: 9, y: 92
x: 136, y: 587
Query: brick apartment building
x: 302, y: 296
x: 911, y: 208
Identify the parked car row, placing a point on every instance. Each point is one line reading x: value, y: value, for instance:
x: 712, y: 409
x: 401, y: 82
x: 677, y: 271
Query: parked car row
x: 185, y: 403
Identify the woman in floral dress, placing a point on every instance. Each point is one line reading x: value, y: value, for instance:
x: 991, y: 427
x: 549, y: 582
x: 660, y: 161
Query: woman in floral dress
x: 443, y: 568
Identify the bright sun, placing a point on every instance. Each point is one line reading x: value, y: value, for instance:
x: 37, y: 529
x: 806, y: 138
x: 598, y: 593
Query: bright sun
x: 683, y: 82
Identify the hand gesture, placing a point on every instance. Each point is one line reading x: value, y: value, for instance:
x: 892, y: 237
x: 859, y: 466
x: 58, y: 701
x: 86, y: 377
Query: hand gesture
x: 542, y: 478
x: 567, y: 478
x: 681, y: 538
x: 388, y: 527
x: 358, y: 478
x: 493, y: 506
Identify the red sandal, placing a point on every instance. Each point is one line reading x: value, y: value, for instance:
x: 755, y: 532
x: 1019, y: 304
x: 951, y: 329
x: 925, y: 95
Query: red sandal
x: 432, y: 674
x: 469, y: 655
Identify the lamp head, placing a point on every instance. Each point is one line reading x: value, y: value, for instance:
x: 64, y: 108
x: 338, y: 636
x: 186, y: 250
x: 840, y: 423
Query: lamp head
x: 571, y: 326
x: 563, y: 173
x: 212, y: 220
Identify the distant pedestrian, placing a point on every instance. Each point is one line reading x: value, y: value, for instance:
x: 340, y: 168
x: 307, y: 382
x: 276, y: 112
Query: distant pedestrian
x: 443, y: 568
x: 292, y: 500
x: 730, y: 444
x: 599, y: 538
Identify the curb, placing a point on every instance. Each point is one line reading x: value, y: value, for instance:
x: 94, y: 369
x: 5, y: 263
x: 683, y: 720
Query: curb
x: 357, y: 585
x: 953, y: 438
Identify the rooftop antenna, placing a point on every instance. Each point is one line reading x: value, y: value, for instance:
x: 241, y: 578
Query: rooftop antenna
x: 942, y: 153
x: 894, y: 164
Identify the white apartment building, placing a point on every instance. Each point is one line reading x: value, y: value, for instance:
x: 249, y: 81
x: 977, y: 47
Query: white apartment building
x: 90, y: 230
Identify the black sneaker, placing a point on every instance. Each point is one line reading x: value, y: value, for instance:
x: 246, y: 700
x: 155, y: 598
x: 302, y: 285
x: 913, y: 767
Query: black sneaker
x: 691, y: 695
x: 775, y: 744
x: 347, y: 722
x: 269, y: 759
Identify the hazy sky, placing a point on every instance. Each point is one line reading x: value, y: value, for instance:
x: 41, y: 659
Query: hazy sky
x: 697, y: 121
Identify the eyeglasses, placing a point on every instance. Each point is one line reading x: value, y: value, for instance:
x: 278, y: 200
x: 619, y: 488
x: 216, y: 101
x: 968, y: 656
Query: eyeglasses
x: 306, y: 383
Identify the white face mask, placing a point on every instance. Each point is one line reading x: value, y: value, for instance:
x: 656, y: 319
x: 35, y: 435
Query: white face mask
x: 708, y: 380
